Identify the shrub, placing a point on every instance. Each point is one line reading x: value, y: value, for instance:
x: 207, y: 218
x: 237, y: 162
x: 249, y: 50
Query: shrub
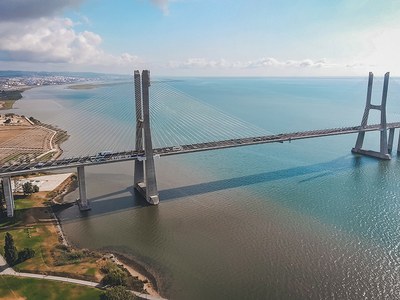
x: 25, y: 254
x: 135, y: 283
x: 108, y: 267
x: 27, y: 187
x: 118, y: 293
x: 62, y: 247
x: 114, y: 278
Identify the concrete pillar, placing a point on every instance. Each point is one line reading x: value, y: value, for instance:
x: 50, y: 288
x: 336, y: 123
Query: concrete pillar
x: 145, y: 173
x: 150, y: 171
x: 139, y: 164
x: 384, y: 140
x: 8, y: 195
x: 390, y: 141
x: 364, y: 121
x: 383, y: 148
x: 82, y: 201
x: 398, y: 144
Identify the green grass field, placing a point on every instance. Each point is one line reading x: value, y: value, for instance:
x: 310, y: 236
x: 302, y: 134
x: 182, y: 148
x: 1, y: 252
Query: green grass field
x: 37, y: 289
x: 27, y: 238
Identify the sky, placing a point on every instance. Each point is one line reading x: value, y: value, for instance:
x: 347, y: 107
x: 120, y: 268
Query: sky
x: 202, y: 37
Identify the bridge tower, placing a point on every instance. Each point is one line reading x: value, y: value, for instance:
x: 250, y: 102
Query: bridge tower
x: 145, y: 174
x: 385, y: 147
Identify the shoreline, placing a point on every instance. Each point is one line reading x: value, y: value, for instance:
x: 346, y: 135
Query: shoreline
x: 134, y: 267
x: 138, y: 270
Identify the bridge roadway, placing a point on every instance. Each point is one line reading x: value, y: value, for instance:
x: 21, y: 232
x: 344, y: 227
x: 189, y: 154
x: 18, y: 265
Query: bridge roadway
x: 26, y: 168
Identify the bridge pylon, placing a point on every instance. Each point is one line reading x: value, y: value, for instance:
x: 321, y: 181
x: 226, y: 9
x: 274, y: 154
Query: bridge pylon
x: 385, y: 147
x: 145, y: 174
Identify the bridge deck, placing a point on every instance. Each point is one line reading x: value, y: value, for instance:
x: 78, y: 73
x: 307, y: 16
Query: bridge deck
x: 277, y: 138
x: 26, y: 168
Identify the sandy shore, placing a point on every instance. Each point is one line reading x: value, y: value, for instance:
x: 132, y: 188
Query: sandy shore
x: 139, y: 271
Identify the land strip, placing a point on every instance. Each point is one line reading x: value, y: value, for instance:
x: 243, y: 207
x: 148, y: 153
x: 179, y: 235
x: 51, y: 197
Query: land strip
x: 27, y: 139
x: 35, y: 226
x: 8, y: 98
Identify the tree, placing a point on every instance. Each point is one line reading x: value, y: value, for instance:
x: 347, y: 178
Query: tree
x: 114, y: 277
x: 35, y: 188
x: 118, y: 293
x: 10, y: 251
x: 27, y: 187
x: 25, y: 254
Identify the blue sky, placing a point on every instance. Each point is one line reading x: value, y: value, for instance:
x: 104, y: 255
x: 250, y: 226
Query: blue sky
x: 202, y: 37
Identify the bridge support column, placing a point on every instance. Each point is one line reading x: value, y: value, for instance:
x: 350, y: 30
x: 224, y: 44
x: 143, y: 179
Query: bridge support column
x: 83, y: 202
x: 145, y: 174
x: 391, y: 138
x: 139, y: 164
x: 8, y: 196
x: 384, y: 149
x: 398, y: 144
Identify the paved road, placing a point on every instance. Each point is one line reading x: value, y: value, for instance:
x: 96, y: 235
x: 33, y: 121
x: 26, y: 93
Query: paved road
x: 6, y: 270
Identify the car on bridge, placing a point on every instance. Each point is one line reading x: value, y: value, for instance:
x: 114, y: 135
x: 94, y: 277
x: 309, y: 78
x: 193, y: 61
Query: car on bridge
x: 39, y: 165
x: 101, y: 156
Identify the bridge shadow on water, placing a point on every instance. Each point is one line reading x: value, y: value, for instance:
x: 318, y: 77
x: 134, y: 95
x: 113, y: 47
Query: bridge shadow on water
x: 324, y: 169
x: 111, y: 203
x: 129, y: 199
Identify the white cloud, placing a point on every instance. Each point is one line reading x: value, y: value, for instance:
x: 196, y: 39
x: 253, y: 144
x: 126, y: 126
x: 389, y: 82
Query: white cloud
x: 199, y: 63
x: 265, y: 62
x: 30, y: 32
x: 54, y: 40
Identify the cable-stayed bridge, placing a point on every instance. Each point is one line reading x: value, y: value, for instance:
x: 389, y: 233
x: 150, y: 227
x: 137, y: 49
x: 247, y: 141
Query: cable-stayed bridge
x: 187, y: 126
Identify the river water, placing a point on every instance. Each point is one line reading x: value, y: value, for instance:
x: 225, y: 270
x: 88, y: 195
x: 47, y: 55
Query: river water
x: 300, y: 220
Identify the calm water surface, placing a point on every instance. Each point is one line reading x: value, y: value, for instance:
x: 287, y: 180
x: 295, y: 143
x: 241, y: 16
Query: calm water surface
x: 300, y: 220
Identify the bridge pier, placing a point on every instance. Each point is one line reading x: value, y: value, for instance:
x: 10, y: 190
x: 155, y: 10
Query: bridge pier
x: 145, y: 174
x: 398, y: 144
x: 390, y: 141
x: 8, y: 196
x: 384, y: 145
x: 82, y: 201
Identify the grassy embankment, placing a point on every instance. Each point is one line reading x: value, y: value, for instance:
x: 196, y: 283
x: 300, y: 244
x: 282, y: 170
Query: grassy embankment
x: 8, y: 98
x: 33, y: 227
x: 37, y: 289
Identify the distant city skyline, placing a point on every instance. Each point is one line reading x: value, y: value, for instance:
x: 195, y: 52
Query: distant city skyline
x: 202, y: 37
